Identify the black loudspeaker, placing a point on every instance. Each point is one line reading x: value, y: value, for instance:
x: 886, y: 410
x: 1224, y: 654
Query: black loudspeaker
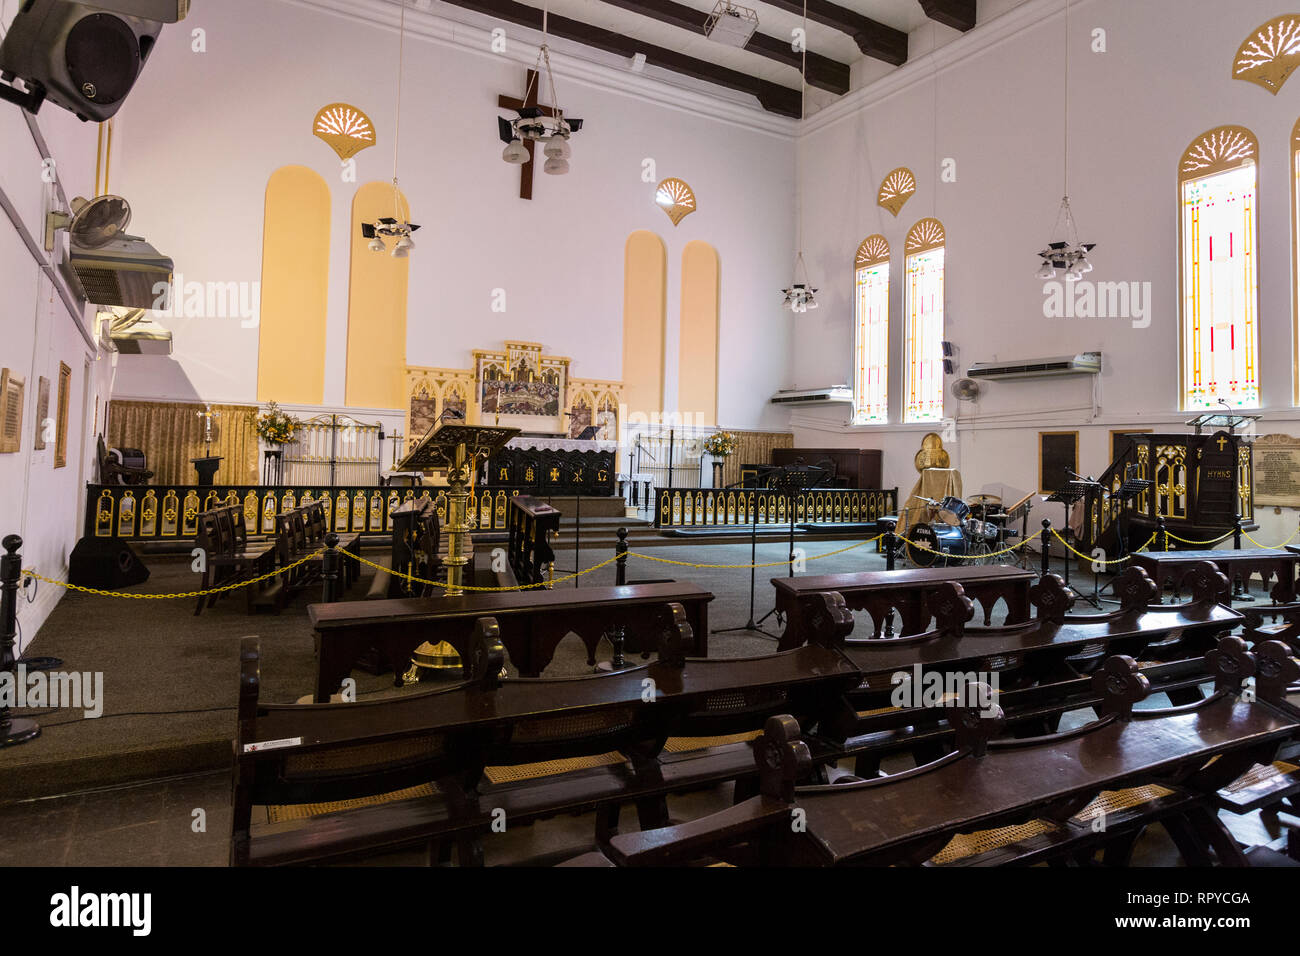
x: 105, y: 563
x: 84, y: 57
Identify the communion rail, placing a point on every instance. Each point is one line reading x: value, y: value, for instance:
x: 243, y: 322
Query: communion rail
x: 170, y: 512
x: 687, y: 507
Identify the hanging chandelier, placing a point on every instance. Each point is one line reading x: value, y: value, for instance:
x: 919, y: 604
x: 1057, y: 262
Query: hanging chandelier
x: 394, y: 227
x: 800, y: 296
x: 548, y: 126
x: 1066, y: 253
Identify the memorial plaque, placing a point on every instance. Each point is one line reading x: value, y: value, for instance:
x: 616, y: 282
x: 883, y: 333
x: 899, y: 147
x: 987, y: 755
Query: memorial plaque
x: 1277, y: 471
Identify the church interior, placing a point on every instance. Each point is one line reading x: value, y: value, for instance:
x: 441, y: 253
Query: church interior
x: 335, y: 536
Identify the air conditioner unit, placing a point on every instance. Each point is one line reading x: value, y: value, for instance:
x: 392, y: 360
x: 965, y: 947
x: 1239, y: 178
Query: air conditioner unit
x: 125, y: 272
x: 830, y: 395
x: 1085, y: 363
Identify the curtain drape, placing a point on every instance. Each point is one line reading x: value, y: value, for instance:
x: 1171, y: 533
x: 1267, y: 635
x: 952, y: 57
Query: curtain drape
x: 171, y: 434
x: 752, y: 448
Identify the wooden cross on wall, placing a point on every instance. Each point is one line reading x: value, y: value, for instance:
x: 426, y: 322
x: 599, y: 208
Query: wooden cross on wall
x: 514, y: 103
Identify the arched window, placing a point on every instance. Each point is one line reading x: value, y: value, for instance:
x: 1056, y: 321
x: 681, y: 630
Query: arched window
x: 923, y: 356
x: 1295, y: 251
x: 645, y: 295
x: 697, y: 369
x: 871, y: 332
x: 1218, y: 238
x: 376, y: 365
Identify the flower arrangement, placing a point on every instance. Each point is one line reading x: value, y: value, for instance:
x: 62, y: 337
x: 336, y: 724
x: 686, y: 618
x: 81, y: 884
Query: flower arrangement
x: 274, y: 426
x: 720, y: 444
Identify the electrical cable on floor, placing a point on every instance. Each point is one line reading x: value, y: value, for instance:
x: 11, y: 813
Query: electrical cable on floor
x: 136, y: 713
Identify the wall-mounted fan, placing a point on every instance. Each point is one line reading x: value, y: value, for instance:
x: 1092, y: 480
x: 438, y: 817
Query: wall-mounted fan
x: 966, y: 389
x: 92, y: 223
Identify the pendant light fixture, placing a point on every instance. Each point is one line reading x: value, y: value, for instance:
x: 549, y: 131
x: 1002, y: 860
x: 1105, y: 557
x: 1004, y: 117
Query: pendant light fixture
x: 534, y: 125
x: 800, y: 297
x: 394, y: 226
x: 1065, y: 252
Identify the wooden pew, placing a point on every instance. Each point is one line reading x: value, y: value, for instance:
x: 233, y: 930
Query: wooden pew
x: 414, y: 551
x: 1051, y: 783
x: 532, y: 525
x: 1039, y: 665
x: 905, y: 591
x: 532, y: 625
x: 1171, y: 567
x: 414, y: 766
x: 222, y: 537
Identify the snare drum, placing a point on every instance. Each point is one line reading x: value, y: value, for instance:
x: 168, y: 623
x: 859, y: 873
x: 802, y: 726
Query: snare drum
x: 982, y: 530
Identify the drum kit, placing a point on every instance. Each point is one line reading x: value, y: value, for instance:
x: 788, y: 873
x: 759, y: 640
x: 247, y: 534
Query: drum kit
x: 958, y: 532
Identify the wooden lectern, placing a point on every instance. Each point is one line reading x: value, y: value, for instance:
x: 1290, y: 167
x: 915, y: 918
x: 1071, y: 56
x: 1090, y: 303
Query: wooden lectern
x: 460, y: 449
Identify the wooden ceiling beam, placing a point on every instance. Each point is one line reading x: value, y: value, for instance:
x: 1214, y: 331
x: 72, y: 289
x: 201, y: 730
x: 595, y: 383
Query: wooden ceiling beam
x: 958, y: 14
x: 823, y: 72
x: 875, y: 39
x: 773, y: 97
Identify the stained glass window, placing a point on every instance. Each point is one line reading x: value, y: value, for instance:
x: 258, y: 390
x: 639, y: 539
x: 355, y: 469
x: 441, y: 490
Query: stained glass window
x: 923, y: 357
x: 871, y: 333
x: 1218, y: 183
x: 1295, y: 232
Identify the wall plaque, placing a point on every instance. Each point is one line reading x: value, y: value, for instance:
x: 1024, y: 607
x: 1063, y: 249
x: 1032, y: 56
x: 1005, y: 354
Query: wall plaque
x: 1277, y: 471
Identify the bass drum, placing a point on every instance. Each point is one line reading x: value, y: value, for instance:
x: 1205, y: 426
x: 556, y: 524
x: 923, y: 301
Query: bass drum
x: 935, y: 546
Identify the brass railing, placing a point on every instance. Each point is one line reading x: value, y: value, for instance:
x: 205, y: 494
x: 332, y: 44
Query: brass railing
x: 687, y: 507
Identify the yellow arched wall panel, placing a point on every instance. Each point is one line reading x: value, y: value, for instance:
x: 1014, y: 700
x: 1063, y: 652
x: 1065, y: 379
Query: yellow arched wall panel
x: 697, y: 375
x: 295, y: 288
x: 645, y: 293
x: 376, y: 308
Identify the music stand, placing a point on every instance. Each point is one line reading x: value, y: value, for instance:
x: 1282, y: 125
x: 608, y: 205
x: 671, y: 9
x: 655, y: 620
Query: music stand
x: 1082, y: 485
x: 1067, y: 496
x: 787, y: 482
x: 1127, y: 491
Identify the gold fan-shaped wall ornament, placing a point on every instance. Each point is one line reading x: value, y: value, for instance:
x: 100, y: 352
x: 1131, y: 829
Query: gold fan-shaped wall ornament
x: 675, y: 198
x: 925, y: 235
x: 347, y: 130
x: 1225, y: 147
x: 1270, y: 54
x: 873, y: 251
x: 898, y: 187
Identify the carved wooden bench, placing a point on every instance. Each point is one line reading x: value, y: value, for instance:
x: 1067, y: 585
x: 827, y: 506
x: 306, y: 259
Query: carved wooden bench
x: 1041, y: 790
x: 414, y: 770
x: 532, y: 625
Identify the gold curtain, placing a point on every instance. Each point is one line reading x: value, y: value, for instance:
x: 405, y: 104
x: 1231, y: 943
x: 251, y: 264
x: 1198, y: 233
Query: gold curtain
x: 752, y: 448
x: 171, y: 434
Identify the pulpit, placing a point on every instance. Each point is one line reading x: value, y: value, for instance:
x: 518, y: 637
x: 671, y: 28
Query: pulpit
x: 206, y: 469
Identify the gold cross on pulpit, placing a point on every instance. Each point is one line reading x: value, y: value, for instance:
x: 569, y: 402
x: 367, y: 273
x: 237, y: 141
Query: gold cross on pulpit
x: 528, y: 102
x: 1222, y: 442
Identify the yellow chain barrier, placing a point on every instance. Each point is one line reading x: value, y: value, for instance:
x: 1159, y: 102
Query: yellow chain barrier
x: 1217, y: 540
x: 971, y: 557
x: 170, y: 597
x: 1088, y: 557
x: 746, y: 567
x: 466, y: 587
x: 1275, y: 547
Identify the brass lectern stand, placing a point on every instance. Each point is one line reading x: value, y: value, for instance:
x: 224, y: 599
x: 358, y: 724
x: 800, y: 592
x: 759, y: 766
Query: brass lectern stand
x: 459, y: 449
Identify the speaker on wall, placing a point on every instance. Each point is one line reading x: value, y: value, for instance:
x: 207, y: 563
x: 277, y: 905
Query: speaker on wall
x: 84, y: 57
x: 105, y: 563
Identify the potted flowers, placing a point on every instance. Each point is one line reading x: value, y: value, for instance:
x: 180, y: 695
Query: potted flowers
x: 275, y: 427
x: 719, y: 445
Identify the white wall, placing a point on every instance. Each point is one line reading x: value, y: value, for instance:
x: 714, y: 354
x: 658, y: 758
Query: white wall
x: 42, y: 503
x: 203, y: 132
x: 993, y: 103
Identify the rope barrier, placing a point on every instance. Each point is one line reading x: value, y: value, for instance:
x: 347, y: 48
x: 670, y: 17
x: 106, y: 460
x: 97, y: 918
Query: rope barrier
x: 226, y: 588
x: 170, y: 597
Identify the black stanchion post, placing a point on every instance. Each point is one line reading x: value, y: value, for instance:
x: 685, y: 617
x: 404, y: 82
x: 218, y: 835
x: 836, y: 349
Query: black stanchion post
x: 890, y: 542
x: 1236, y: 534
x: 12, y: 730
x: 1047, y: 547
x: 620, y: 565
x: 1162, y: 536
x: 330, y: 564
